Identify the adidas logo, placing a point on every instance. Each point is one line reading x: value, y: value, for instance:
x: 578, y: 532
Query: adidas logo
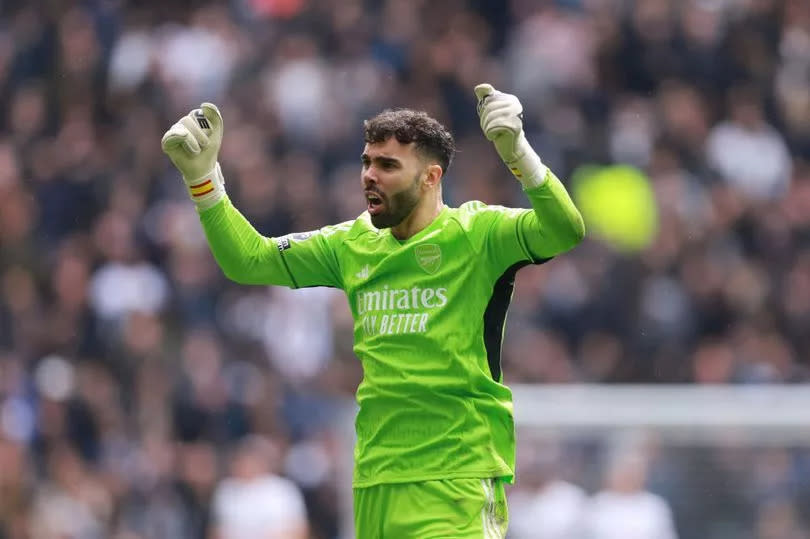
x: 363, y: 273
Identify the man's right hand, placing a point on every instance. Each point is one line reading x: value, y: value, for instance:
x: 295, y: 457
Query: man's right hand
x: 193, y: 145
x: 501, y: 117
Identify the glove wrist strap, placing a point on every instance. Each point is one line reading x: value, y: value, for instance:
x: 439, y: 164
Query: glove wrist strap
x: 208, y: 189
x: 526, y: 165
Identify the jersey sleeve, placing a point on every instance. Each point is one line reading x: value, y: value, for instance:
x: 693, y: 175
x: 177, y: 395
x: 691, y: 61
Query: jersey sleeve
x: 506, y: 242
x: 296, y: 260
x: 530, y: 236
x: 311, y: 258
x: 554, y: 225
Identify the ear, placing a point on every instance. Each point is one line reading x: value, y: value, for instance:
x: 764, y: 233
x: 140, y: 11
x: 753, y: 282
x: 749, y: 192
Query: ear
x: 433, y: 175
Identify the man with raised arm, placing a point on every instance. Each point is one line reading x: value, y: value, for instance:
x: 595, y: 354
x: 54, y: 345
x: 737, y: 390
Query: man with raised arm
x: 429, y: 287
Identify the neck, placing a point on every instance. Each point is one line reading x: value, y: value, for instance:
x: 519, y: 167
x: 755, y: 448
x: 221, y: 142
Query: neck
x: 422, y: 215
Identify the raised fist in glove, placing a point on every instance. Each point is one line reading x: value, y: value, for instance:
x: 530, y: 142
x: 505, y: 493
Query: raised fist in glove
x: 501, y: 118
x: 193, y: 145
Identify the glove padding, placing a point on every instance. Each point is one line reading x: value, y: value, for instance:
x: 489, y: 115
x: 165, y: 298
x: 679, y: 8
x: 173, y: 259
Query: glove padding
x: 501, y: 118
x: 193, y: 145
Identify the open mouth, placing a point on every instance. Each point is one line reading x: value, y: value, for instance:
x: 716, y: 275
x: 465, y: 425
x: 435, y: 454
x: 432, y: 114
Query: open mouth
x: 375, y: 202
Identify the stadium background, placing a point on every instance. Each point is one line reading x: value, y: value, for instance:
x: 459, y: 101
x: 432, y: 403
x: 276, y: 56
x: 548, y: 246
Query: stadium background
x: 130, y: 370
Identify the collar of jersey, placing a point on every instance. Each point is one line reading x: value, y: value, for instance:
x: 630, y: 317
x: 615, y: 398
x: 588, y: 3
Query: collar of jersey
x: 433, y: 225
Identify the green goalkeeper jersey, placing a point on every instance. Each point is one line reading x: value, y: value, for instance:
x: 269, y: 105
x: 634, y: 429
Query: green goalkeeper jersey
x: 429, y: 316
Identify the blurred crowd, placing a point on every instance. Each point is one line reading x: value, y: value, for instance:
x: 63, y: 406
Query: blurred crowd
x: 144, y: 396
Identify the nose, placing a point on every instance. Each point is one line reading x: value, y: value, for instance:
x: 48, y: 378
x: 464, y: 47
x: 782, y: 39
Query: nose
x: 368, y: 177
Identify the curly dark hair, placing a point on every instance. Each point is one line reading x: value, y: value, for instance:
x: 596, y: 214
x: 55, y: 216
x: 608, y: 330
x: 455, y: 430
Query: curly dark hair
x: 431, y: 138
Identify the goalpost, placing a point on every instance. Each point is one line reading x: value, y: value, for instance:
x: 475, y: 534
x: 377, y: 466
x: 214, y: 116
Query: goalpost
x: 675, y: 412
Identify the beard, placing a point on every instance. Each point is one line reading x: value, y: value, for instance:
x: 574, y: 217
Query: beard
x: 398, y: 206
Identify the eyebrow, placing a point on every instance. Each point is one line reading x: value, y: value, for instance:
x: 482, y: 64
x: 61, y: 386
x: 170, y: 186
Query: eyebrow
x: 382, y: 159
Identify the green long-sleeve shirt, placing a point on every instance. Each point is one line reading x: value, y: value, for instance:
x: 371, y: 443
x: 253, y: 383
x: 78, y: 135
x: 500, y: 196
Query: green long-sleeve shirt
x: 429, y: 315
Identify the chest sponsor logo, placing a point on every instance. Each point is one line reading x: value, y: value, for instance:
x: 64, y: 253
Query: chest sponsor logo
x: 390, y: 311
x: 429, y: 257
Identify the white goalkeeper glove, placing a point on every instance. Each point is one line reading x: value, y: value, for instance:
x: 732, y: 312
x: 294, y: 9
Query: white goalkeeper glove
x: 193, y: 144
x: 502, y: 122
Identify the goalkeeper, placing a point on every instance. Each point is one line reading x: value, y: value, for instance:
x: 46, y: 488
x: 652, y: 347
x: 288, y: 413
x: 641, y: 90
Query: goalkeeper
x: 428, y: 286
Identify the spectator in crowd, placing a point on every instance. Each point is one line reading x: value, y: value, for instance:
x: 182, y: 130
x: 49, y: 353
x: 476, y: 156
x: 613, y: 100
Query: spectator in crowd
x: 748, y: 152
x: 255, y: 502
x: 624, y: 509
x: 545, y: 506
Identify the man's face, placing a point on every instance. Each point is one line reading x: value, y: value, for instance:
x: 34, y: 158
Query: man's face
x: 391, y: 181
